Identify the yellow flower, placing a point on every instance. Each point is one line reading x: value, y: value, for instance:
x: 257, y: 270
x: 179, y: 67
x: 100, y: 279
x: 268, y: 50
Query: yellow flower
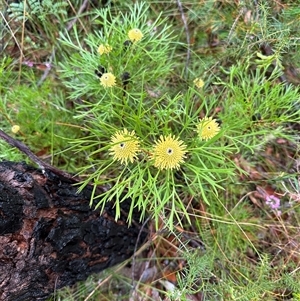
x: 108, y: 80
x: 198, y: 82
x: 15, y: 129
x: 104, y: 49
x: 168, y: 152
x: 135, y: 35
x: 125, y: 146
x: 207, y: 128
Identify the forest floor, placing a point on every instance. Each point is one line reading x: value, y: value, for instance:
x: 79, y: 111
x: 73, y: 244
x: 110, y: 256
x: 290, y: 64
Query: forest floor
x: 226, y: 224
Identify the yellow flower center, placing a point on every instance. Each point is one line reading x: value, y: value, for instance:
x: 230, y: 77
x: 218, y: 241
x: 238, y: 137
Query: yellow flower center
x: 104, y: 49
x: 199, y: 83
x: 15, y: 129
x: 168, y: 153
x: 125, y: 146
x: 207, y: 128
x: 108, y: 80
x: 135, y: 35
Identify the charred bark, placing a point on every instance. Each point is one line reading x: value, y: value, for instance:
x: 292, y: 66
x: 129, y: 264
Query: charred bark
x: 49, y: 235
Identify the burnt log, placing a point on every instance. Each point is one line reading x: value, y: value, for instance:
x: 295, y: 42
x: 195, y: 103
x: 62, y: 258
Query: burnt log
x: 50, y: 237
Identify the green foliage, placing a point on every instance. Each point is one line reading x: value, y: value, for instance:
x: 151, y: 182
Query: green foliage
x: 31, y: 9
x: 235, y: 284
x: 255, y: 104
x: 144, y: 61
x: 41, y: 115
x: 245, y: 90
x: 195, y: 276
x: 105, y: 111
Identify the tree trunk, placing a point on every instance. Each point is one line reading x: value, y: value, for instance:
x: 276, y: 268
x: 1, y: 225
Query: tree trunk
x: 49, y: 235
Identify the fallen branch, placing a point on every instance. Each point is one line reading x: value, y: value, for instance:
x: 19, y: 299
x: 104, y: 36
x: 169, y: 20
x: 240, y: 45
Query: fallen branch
x: 49, y: 235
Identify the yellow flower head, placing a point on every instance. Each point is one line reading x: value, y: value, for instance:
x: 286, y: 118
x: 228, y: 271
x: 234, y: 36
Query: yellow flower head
x: 207, y: 128
x: 108, y: 80
x: 135, y: 35
x: 15, y: 128
x: 125, y: 146
x: 104, y: 49
x: 198, y: 82
x: 168, y: 152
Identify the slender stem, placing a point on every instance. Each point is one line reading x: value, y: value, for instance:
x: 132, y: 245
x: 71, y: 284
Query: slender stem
x: 43, y: 165
x: 188, y: 39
